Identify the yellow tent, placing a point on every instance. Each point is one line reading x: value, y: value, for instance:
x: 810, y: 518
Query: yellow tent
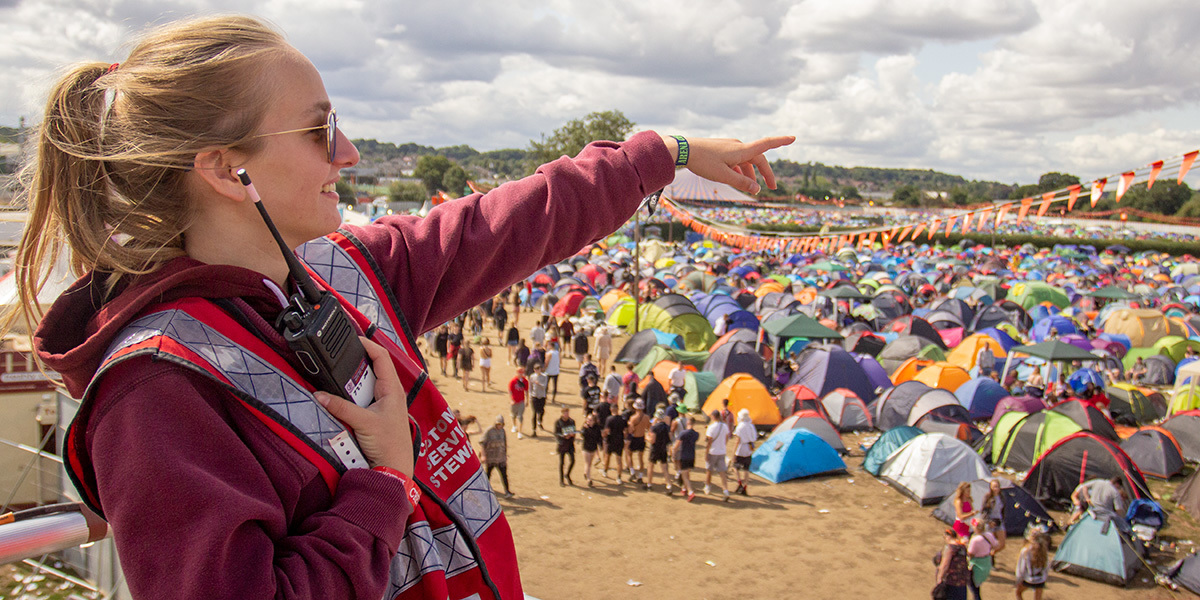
x: 909, y: 369
x: 611, y: 297
x: 1186, y: 395
x: 943, y: 375
x: 1144, y: 326
x: 767, y: 287
x: 744, y: 391
x: 964, y: 354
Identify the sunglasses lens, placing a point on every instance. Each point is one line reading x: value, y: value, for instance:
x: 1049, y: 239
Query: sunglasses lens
x: 331, y: 132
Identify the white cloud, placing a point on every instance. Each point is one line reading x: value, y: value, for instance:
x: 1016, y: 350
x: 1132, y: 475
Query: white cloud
x: 1056, y: 84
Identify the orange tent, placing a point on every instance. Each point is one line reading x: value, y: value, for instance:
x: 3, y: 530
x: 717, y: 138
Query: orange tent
x: 909, y: 369
x: 943, y: 375
x: 744, y: 391
x: 964, y: 354
x: 662, y: 372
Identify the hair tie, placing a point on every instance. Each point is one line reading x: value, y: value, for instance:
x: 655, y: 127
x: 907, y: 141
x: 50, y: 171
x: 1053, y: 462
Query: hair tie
x: 112, y: 67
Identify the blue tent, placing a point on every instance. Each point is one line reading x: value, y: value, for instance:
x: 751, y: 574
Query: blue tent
x: 1041, y: 330
x: 1096, y: 548
x: 824, y: 368
x: 887, y: 443
x: 1000, y: 336
x: 794, y: 453
x: 1079, y: 379
x: 980, y: 396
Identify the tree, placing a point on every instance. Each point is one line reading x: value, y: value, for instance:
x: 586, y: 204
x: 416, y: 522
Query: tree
x: 570, y: 139
x: 345, y: 192
x: 907, y: 195
x: 1048, y: 182
x: 850, y: 192
x: 1165, y: 198
x: 959, y: 196
x: 455, y: 181
x: 430, y: 170
x: 407, y: 192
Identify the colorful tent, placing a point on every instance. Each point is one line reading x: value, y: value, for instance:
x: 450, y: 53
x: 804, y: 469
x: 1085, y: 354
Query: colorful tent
x: 1097, y: 548
x: 794, y: 453
x: 744, y: 391
x: 816, y: 423
x: 1020, y: 509
x: 1155, y: 452
x: 1077, y: 458
x: 846, y: 411
x: 1185, y: 427
x: 888, y: 443
x: 929, y: 467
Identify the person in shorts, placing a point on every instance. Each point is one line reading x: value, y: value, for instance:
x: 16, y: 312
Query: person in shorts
x: 659, y: 437
x: 593, y: 434
x: 614, y: 442
x: 564, y: 432
x: 635, y: 441
x: 453, y: 343
x: 746, y: 436
x: 685, y: 456
x: 440, y: 343
x: 717, y: 437
x: 518, y: 390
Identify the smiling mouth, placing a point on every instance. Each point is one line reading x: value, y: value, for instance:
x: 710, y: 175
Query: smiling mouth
x: 328, y: 188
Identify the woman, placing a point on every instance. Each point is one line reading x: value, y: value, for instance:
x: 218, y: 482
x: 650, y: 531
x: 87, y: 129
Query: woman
x: 963, y: 511
x: 992, y: 510
x: 1031, y: 564
x: 466, y: 363
x: 186, y: 386
x: 980, y: 549
x: 593, y: 432
x: 953, y: 572
x: 485, y: 364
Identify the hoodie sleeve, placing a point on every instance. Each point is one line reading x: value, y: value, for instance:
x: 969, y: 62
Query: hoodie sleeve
x: 205, y: 503
x: 469, y: 249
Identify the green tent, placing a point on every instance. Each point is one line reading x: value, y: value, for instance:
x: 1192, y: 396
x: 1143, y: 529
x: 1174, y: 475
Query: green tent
x: 1032, y: 293
x: 658, y: 354
x: 696, y: 331
x: 844, y: 292
x: 1019, y: 443
x: 1055, y: 350
x: 1175, y: 346
x: 620, y: 314
x: 800, y: 325
x: 932, y: 352
x: 1111, y: 292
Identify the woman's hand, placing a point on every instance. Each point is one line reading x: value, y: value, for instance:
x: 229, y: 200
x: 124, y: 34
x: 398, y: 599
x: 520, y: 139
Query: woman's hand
x: 382, y: 428
x: 729, y: 161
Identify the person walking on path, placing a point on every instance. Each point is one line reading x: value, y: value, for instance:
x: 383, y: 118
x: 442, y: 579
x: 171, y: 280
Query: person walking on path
x: 614, y: 442
x: 519, y: 392
x: 516, y: 304
x: 521, y: 356
x: 553, y: 364
x: 512, y: 339
x: 603, y: 346
x: 592, y: 398
x: 537, y: 335
x: 628, y: 384
x: 485, y: 365
x: 453, y: 344
x: 466, y: 363
x: 659, y: 437
x: 440, y: 343
x: 580, y: 344
x: 567, y: 330
x: 537, y: 396
x: 495, y: 453
x: 635, y: 448
x: 564, y: 432
x: 980, y: 549
x: 677, y: 379
x: 1032, y: 563
x: 499, y: 317
x: 685, y: 456
x: 953, y: 572
x: 746, y: 436
x: 593, y: 433
x: 612, y: 385
x: 717, y: 436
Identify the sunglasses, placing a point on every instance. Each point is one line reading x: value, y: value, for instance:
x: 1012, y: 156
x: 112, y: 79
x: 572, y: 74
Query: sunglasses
x: 330, y: 127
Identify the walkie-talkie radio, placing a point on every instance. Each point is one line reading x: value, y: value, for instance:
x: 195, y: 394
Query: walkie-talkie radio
x: 317, y: 330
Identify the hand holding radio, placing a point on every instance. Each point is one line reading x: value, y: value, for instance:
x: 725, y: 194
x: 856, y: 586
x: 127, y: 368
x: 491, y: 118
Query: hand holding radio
x: 382, y: 428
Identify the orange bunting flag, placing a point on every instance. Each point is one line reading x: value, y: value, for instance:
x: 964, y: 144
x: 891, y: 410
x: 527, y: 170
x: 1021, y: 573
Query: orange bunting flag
x: 904, y: 233
x: 966, y: 226
x: 892, y: 234
x: 933, y: 227
x: 885, y: 238
x: 1098, y: 190
x: 1000, y: 214
x: 1155, y: 169
x: 1188, y: 159
x: 983, y: 218
x: 950, y: 223
x: 1123, y: 185
x: 1025, y: 204
x: 1075, y: 189
x: 1045, y: 204
x: 871, y: 240
x: 915, y: 232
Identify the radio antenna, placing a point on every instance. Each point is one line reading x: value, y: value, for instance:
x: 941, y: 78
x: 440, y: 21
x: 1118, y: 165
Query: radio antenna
x: 307, y: 287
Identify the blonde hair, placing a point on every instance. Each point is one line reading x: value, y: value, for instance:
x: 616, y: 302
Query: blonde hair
x: 1036, y: 544
x: 107, y: 178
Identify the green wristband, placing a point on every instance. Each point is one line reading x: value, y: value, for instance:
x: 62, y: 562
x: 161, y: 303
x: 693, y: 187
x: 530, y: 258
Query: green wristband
x: 682, y: 159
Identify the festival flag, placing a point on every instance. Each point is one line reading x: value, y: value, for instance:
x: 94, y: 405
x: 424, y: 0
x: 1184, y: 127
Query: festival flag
x: 950, y: 224
x: 904, y: 233
x: 966, y: 226
x: 1188, y: 159
x: 1074, y: 190
x: 933, y: 227
x: 871, y: 240
x: 1025, y: 204
x: 915, y: 232
x: 1098, y: 190
x: 1155, y: 169
x: 1123, y: 185
x: 1045, y: 204
x: 1000, y: 214
x: 885, y: 237
x: 983, y: 218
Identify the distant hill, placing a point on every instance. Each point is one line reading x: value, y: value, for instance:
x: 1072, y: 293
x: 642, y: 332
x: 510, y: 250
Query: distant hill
x: 877, y: 179
x: 8, y: 135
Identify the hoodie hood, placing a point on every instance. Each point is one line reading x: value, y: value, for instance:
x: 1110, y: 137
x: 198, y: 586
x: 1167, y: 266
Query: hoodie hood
x: 75, y: 333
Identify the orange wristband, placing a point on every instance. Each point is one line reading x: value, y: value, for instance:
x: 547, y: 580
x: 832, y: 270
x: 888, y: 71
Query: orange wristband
x: 410, y: 487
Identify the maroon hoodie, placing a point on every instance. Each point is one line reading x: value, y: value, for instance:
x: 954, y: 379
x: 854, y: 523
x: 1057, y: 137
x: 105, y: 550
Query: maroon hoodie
x: 203, y: 499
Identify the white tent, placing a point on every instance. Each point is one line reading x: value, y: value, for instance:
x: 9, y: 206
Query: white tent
x: 928, y: 467
x: 690, y: 186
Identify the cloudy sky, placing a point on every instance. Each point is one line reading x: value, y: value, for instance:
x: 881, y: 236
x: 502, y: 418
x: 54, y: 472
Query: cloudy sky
x: 990, y: 89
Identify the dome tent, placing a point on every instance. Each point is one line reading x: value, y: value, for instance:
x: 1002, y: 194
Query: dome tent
x: 1185, y: 427
x: 744, y: 391
x: 816, y: 423
x: 1020, y: 509
x: 889, y: 442
x: 1077, y: 458
x: 824, y: 368
x: 1097, y: 548
x: 794, y: 453
x: 1155, y: 452
x: 928, y: 467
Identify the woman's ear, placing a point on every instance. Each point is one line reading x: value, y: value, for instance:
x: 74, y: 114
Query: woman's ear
x: 214, y: 170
